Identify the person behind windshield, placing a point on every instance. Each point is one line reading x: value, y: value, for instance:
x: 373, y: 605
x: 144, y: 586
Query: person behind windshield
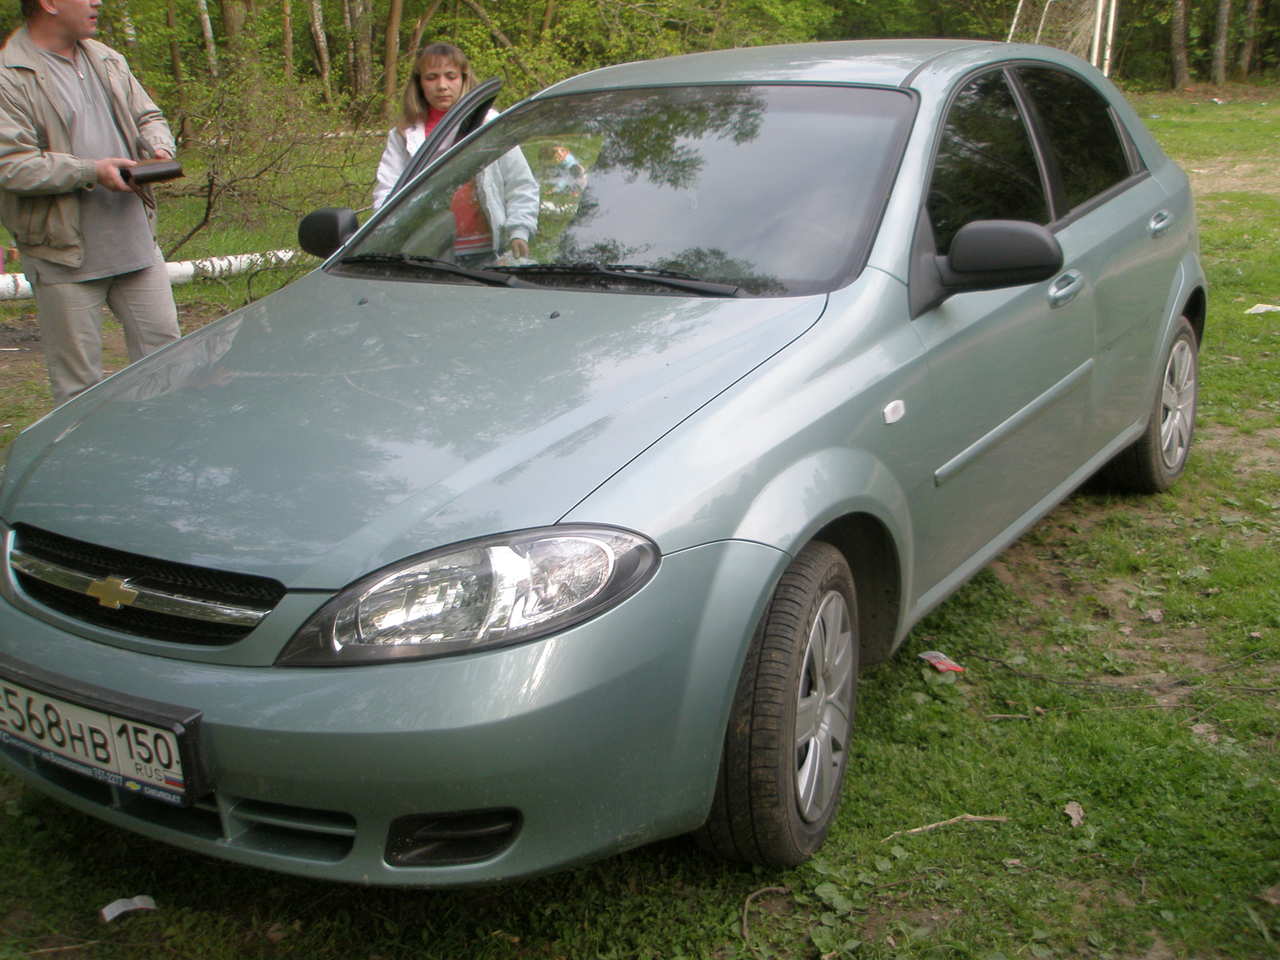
x: 494, y: 212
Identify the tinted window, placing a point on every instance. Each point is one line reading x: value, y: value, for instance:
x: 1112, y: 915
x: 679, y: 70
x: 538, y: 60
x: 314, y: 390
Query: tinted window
x: 1083, y: 140
x: 774, y: 189
x: 985, y: 169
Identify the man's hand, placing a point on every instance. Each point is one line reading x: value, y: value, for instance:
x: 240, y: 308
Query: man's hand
x: 163, y: 154
x: 520, y: 248
x: 109, y: 173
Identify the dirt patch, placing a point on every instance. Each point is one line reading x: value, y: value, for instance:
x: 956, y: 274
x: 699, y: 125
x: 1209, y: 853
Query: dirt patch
x: 1230, y: 176
x: 894, y: 924
x: 1257, y: 453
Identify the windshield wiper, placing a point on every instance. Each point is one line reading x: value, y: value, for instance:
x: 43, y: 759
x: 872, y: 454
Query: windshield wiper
x: 635, y: 273
x: 491, y: 277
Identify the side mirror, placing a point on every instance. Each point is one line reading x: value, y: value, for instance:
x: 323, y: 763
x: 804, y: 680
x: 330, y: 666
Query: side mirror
x: 323, y: 231
x: 990, y: 254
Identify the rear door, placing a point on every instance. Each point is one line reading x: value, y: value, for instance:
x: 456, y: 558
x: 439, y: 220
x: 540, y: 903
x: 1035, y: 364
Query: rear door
x: 1118, y: 227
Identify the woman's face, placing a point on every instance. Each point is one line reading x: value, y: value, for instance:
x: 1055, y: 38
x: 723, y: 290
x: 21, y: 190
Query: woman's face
x: 441, y: 83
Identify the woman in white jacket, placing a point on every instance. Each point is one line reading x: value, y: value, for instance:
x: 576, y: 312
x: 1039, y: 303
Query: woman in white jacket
x: 495, y: 212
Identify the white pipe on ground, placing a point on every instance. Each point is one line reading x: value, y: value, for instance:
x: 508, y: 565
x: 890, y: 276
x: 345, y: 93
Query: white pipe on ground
x: 14, y: 286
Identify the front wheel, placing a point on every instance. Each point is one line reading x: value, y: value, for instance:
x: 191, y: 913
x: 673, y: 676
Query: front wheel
x: 787, y: 743
x: 1158, y: 457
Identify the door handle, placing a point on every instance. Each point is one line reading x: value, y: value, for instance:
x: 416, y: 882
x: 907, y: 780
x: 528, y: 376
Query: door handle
x: 1160, y: 222
x: 1063, y: 290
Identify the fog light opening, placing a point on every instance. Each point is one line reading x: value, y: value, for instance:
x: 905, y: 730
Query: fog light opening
x: 450, y: 839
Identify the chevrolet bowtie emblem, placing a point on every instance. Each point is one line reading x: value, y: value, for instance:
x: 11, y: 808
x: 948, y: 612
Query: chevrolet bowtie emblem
x: 112, y: 592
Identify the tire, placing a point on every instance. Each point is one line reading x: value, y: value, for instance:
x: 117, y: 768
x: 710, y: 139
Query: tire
x: 1158, y: 457
x: 786, y: 746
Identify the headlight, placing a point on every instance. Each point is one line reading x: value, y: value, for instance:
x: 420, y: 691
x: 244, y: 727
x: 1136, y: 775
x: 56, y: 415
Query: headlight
x: 486, y: 593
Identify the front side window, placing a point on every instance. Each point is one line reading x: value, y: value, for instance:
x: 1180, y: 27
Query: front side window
x: 767, y: 190
x: 1086, y: 148
x: 985, y: 168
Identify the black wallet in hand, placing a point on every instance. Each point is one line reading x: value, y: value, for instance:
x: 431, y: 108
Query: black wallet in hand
x: 151, y: 171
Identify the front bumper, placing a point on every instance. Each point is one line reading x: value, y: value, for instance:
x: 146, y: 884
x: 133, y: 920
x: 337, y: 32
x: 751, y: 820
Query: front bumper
x: 601, y: 738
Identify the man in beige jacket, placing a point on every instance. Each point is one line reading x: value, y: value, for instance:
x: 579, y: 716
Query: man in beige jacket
x: 72, y: 117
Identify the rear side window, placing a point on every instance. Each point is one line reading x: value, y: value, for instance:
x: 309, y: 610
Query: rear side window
x: 985, y: 168
x: 1083, y: 141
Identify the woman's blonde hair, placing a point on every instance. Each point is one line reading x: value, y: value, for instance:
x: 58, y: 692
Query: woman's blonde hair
x: 415, y: 104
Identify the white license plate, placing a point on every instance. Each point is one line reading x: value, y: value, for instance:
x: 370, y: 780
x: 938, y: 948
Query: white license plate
x: 114, y: 749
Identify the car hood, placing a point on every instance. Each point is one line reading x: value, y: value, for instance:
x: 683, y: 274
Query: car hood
x: 342, y: 424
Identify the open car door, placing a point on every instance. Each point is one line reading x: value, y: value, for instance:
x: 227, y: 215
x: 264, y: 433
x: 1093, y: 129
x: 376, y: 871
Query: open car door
x: 463, y: 117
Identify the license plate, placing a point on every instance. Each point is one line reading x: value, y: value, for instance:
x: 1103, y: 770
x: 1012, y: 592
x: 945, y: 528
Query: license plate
x: 113, y: 748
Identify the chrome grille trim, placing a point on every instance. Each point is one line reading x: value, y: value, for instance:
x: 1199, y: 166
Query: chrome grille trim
x: 149, y: 599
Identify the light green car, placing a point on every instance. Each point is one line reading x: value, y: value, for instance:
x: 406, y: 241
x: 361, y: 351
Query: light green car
x: 460, y: 560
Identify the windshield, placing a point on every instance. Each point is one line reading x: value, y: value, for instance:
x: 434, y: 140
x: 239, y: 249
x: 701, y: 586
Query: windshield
x: 743, y: 190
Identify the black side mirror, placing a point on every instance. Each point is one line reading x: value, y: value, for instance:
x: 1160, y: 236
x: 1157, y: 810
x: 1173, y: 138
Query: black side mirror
x: 990, y: 254
x: 323, y: 231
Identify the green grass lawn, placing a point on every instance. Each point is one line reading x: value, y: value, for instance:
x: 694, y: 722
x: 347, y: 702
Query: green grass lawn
x: 1117, y: 731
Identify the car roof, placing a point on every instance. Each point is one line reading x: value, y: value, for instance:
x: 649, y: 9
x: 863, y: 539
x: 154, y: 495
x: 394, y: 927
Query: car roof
x: 879, y: 62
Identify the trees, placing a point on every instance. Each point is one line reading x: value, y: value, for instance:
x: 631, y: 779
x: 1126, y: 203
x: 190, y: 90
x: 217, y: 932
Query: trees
x: 354, y: 53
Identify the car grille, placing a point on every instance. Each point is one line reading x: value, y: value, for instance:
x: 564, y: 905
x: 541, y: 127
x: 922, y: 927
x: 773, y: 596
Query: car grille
x: 296, y: 833
x: 139, y: 595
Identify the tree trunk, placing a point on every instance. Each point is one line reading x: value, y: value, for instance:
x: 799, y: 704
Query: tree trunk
x: 1250, y: 44
x: 130, y: 32
x: 206, y: 28
x: 364, y: 46
x: 1221, y: 34
x: 286, y: 30
x: 1178, y: 46
x: 548, y: 18
x: 175, y: 51
x: 505, y: 41
x: 420, y: 27
x: 322, y: 50
x: 234, y: 15
x: 349, y: 42
x: 391, y: 60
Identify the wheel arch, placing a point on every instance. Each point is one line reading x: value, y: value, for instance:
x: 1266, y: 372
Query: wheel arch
x: 852, y: 500
x: 872, y: 554
x: 1195, y: 310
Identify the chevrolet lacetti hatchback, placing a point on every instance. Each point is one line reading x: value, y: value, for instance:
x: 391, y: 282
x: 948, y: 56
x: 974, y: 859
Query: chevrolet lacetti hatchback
x: 439, y: 569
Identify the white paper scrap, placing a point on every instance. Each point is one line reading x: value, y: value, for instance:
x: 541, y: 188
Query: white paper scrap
x: 113, y: 910
x: 1264, y: 308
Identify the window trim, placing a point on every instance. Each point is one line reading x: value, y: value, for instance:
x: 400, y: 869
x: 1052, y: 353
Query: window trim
x: 1062, y: 215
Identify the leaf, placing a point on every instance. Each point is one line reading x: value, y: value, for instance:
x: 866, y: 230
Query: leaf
x: 832, y: 895
x: 1075, y: 812
x: 883, y: 864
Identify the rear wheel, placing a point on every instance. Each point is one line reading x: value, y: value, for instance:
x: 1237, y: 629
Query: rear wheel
x: 787, y: 743
x: 1158, y: 457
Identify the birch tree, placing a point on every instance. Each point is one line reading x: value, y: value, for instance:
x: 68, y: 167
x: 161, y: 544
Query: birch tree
x: 206, y: 28
x: 322, y: 50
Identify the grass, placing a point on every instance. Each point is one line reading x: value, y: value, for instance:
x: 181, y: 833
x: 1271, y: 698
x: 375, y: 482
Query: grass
x: 1123, y: 656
